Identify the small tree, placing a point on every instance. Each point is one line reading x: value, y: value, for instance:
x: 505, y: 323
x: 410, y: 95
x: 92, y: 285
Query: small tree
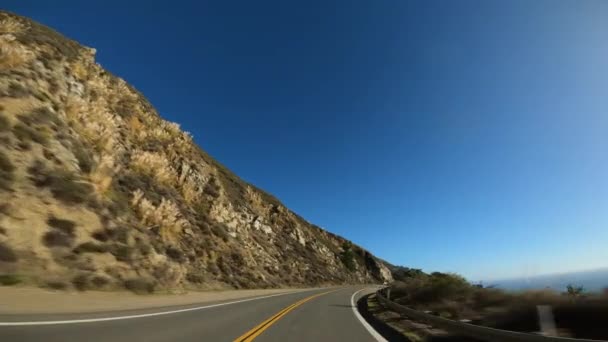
x: 574, y: 291
x: 347, y: 256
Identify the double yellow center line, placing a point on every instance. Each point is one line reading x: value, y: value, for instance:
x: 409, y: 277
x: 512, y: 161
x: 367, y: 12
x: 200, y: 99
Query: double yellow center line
x: 257, y: 330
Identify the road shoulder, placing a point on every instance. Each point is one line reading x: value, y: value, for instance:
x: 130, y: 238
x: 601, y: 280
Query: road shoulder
x: 26, y: 300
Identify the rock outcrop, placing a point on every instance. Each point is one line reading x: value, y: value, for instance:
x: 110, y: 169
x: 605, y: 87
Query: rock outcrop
x: 98, y: 191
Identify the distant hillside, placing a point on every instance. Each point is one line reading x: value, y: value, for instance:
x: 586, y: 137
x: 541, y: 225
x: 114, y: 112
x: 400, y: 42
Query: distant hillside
x: 97, y: 191
x: 593, y: 280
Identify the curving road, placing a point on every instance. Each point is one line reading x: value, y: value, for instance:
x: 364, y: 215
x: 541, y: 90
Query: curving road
x: 311, y: 315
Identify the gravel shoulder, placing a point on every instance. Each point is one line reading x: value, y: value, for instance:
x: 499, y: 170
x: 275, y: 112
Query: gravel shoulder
x: 30, y: 300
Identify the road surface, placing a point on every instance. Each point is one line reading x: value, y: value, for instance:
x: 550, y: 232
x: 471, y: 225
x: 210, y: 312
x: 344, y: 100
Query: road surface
x: 313, y: 315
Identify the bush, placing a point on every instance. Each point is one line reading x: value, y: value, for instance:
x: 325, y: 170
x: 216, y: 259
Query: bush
x: 7, y: 254
x: 174, y: 254
x: 347, y: 256
x: 99, y: 281
x: 81, y: 282
x: 90, y: 247
x: 120, y: 234
x: 431, y: 289
x: 65, y: 226
x: 212, y: 188
x: 100, y: 235
x: 83, y: 156
x: 39, y: 116
x: 16, y: 90
x: 574, y: 291
x: 9, y: 279
x: 67, y: 189
x: 63, y: 185
x: 5, y: 163
x: 26, y: 134
x: 57, y: 239
x: 121, y: 252
x: 6, y: 171
x: 139, y: 285
x: 56, y: 285
x: 490, y: 297
x: 5, y: 125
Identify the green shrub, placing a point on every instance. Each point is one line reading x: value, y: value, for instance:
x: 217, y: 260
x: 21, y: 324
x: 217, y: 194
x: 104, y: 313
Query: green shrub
x: 574, y: 291
x: 5, y: 163
x: 90, y: 247
x: 120, y: 234
x: 212, y: 188
x: 99, y: 281
x: 83, y: 156
x: 16, y: 90
x: 5, y: 125
x: 139, y: 285
x: 490, y: 297
x: 219, y: 230
x: 143, y: 247
x: 7, y: 254
x: 66, y: 188
x: 121, y: 252
x: 63, y: 185
x: 26, y: 134
x: 57, y: 239
x: 56, y: 285
x: 40, y: 116
x: 174, y: 254
x: 9, y: 279
x: 6, y: 171
x: 433, y: 288
x: 81, y: 282
x: 100, y: 235
x: 65, y: 226
x: 347, y: 256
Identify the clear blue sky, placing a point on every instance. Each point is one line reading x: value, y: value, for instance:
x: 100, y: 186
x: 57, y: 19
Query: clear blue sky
x: 465, y: 136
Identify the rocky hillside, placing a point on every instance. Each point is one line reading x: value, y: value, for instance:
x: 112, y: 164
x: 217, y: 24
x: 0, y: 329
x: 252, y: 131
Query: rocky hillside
x: 97, y: 191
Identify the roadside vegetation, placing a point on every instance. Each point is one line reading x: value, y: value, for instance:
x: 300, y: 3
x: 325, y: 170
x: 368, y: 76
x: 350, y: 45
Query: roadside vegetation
x: 452, y: 296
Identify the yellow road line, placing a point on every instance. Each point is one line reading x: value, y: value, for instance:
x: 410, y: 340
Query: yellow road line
x: 260, y: 328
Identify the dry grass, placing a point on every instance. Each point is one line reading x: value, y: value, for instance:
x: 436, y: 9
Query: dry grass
x: 11, y: 25
x: 154, y: 165
x: 166, y: 217
x: 191, y: 183
x: 191, y: 190
x: 94, y: 123
x: 13, y: 55
x: 102, y: 174
x: 80, y: 71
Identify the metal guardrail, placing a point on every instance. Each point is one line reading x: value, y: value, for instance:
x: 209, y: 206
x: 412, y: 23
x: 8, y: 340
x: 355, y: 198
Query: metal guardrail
x: 471, y: 330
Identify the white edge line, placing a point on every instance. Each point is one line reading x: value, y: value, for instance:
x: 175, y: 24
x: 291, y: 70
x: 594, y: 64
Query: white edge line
x: 366, y: 325
x: 116, y: 318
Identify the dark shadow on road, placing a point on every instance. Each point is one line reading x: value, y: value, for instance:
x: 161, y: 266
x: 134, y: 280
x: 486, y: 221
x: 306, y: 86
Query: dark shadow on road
x: 382, y: 328
x: 341, y: 306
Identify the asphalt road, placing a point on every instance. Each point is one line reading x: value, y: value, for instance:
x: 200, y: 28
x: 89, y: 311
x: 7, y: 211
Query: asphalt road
x: 314, y: 315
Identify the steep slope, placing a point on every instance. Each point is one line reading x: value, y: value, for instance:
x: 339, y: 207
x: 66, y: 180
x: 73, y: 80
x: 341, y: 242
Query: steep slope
x: 97, y: 191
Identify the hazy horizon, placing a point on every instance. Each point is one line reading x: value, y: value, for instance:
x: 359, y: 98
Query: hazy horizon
x: 592, y: 280
x: 467, y: 137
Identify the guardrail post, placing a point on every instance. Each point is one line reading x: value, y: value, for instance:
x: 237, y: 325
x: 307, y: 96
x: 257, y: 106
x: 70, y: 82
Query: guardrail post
x: 388, y: 293
x: 546, y: 321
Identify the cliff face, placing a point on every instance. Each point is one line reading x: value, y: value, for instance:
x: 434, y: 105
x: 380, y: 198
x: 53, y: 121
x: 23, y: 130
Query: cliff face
x: 97, y: 191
